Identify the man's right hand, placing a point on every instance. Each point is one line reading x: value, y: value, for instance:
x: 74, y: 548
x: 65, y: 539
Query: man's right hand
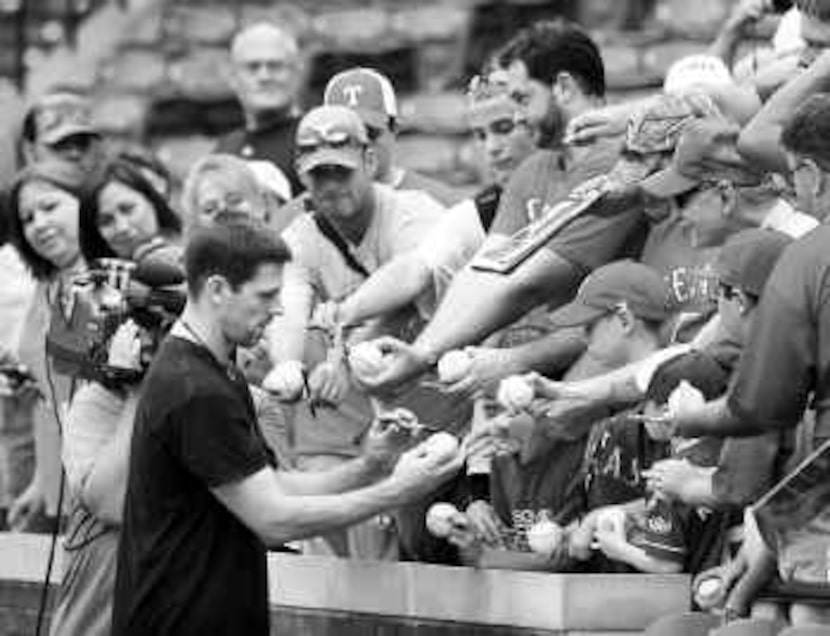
x: 419, y: 472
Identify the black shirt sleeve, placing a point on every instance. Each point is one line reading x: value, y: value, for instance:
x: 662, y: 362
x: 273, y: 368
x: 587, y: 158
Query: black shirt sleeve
x: 218, y: 441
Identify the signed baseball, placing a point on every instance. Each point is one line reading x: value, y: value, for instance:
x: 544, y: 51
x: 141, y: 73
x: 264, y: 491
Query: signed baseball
x: 439, y: 519
x: 285, y: 380
x: 453, y: 366
x: 544, y: 537
x: 442, y: 446
x: 366, y: 359
x: 515, y: 393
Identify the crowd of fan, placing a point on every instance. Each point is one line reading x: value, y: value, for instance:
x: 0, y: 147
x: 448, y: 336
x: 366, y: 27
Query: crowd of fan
x: 624, y: 391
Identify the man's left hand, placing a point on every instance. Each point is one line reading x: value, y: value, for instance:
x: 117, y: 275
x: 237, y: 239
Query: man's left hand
x: 385, y: 441
x: 329, y: 383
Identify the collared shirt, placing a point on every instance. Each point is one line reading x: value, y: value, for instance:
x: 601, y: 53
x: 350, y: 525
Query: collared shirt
x: 595, y: 237
x: 273, y: 142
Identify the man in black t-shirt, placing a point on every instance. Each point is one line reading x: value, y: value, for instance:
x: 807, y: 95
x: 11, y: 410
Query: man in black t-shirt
x: 204, y: 498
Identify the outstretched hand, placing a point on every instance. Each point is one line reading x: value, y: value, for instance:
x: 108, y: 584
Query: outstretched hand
x: 401, y: 363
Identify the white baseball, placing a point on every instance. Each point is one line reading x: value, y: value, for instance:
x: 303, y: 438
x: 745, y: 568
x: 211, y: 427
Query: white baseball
x: 709, y: 590
x: 544, y: 537
x: 366, y: 359
x: 439, y: 518
x: 453, y: 366
x: 515, y: 393
x: 442, y: 446
x: 285, y: 380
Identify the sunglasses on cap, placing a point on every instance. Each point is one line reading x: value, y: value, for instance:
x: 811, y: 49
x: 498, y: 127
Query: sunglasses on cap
x: 81, y: 142
x: 312, y: 139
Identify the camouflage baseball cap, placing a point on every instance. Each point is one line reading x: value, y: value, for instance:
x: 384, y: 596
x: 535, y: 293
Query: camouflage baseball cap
x: 61, y: 115
x: 657, y: 128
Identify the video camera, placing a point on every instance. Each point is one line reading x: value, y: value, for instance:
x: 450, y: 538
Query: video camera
x: 111, y: 292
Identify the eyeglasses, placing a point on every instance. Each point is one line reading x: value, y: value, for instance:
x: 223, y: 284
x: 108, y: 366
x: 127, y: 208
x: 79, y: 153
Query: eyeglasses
x: 82, y: 143
x: 727, y: 291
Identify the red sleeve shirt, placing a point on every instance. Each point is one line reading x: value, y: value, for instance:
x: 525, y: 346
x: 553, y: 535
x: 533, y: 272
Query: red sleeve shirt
x: 594, y: 238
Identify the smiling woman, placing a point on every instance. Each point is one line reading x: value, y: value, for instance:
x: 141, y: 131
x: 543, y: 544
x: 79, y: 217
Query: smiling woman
x: 43, y: 206
x: 122, y: 212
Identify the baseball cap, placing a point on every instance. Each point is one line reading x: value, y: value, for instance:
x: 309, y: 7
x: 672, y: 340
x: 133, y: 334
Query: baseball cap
x: 694, y: 72
x: 61, y: 115
x: 657, y: 127
x: 365, y: 91
x: 270, y: 177
x: 622, y: 283
x: 699, y: 369
x: 706, y: 151
x: 330, y: 135
x: 747, y: 259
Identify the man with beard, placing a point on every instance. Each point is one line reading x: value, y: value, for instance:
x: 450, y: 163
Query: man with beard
x: 357, y: 225
x: 557, y: 71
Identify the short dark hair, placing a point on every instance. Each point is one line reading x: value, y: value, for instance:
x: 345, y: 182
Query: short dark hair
x: 92, y: 243
x: 555, y: 46
x: 807, y: 133
x: 234, y: 250
x: 61, y: 174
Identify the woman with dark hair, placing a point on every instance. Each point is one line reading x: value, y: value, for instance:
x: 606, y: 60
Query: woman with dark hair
x: 123, y: 214
x: 43, y: 205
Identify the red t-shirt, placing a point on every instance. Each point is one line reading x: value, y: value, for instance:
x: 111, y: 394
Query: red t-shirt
x: 596, y: 237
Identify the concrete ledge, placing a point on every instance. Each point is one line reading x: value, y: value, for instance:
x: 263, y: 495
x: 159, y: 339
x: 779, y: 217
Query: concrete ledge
x: 319, y: 595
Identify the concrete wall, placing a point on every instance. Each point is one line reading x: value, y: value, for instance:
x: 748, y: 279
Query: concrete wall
x: 333, y: 597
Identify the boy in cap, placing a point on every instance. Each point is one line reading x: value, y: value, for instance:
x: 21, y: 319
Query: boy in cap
x: 370, y: 94
x: 621, y: 308
x: 669, y: 535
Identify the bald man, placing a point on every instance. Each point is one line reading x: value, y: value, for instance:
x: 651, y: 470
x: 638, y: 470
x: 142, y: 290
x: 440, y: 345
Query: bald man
x: 266, y: 77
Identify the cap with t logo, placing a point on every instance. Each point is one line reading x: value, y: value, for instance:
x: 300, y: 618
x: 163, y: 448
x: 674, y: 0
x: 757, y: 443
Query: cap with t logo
x: 365, y: 91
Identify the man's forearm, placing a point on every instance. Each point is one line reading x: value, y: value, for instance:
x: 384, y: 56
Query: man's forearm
x: 551, y: 355
x: 477, y: 303
x: 716, y: 419
x: 352, y: 474
x: 393, y: 286
x: 299, y: 517
x: 760, y: 140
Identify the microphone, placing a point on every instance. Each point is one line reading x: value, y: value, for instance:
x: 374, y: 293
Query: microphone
x: 155, y: 272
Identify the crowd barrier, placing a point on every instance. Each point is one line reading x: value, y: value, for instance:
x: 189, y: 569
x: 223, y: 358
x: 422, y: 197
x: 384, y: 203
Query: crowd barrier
x: 319, y: 596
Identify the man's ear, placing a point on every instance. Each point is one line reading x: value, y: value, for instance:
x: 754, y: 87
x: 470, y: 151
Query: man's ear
x: 565, y: 88
x: 29, y: 152
x: 626, y: 318
x: 216, y: 288
x: 370, y: 160
x: 820, y: 181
